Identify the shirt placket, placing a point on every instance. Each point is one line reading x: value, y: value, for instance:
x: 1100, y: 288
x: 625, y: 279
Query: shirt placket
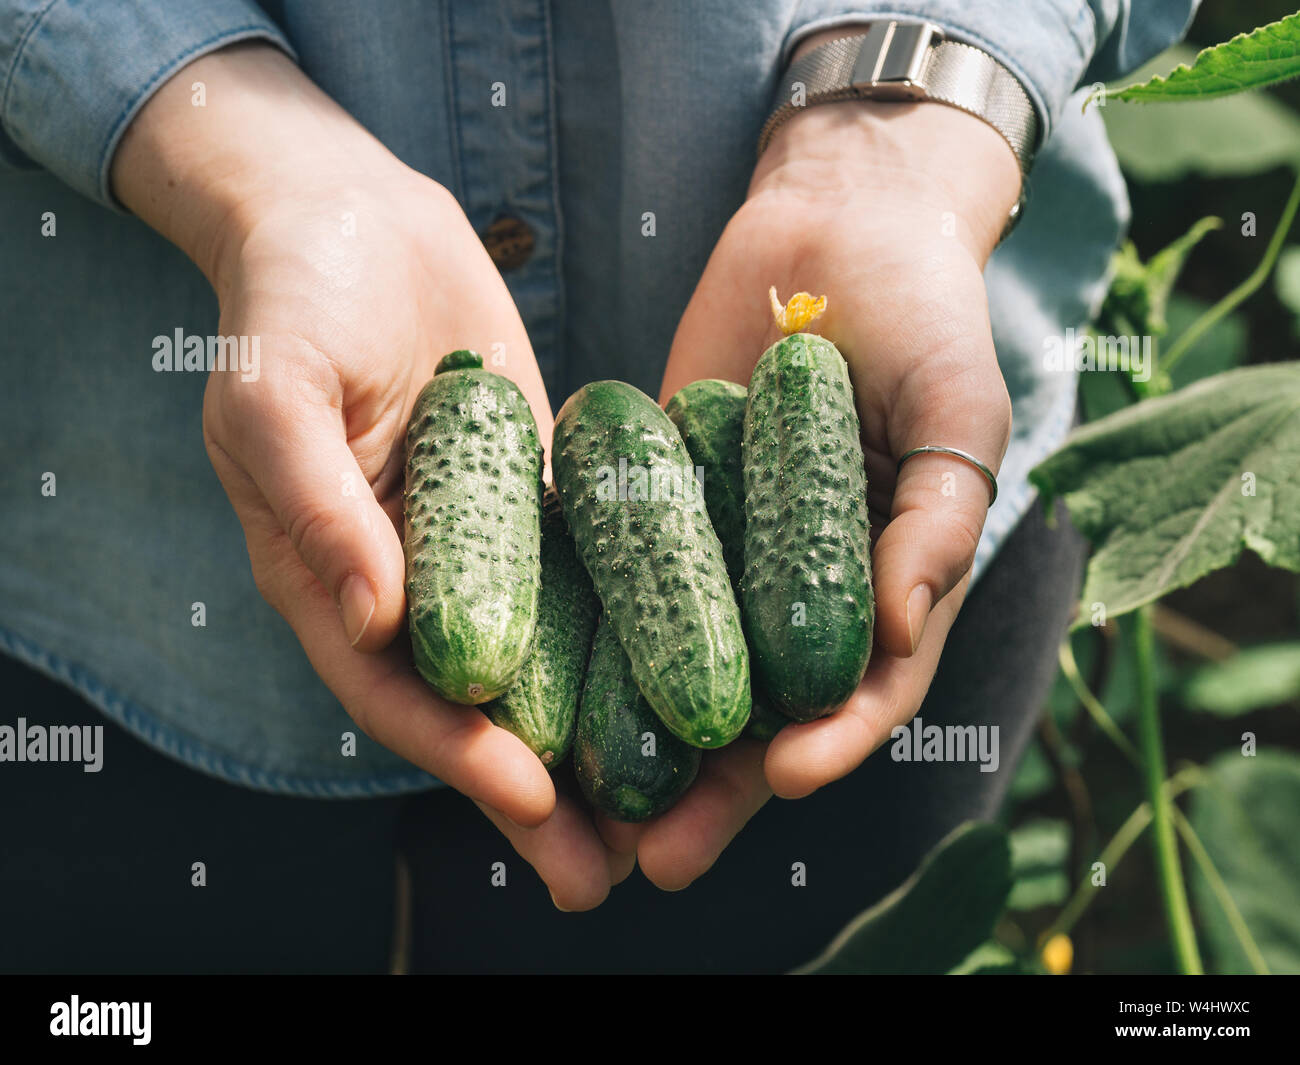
x: 501, y: 65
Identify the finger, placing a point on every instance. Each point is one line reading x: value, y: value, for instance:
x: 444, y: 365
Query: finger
x: 956, y: 398
x: 566, y: 853
x: 805, y: 757
x: 682, y: 844
x: 386, y: 697
x: 291, y: 440
x: 620, y: 866
x: 621, y: 837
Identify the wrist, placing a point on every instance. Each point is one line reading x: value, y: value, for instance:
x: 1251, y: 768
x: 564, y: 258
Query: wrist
x: 203, y: 175
x: 932, y: 141
x: 934, y: 154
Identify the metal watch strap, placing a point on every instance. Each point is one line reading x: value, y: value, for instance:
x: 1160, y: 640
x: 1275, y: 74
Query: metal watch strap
x: 911, y: 61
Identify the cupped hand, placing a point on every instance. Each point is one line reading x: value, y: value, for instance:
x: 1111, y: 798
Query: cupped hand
x: 355, y: 275
x: 889, y: 210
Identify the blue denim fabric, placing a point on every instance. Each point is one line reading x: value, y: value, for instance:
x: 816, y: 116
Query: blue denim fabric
x: 614, y: 109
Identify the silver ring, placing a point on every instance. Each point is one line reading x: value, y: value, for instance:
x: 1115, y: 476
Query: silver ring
x: 965, y: 456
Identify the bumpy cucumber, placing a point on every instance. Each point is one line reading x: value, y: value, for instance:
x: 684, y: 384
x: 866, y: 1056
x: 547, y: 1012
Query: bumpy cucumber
x: 711, y: 418
x: 809, y: 608
x: 542, y: 706
x: 473, y: 502
x: 656, y: 562
x: 627, y: 763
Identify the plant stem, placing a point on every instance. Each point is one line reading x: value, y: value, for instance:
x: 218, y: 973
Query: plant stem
x: 1238, y: 923
x: 1187, y: 635
x: 1229, y: 303
x: 1177, y: 912
x: 1110, y: 857
x: 1082, y: 828
x: 1128, y: 834
x: 1070, y: 668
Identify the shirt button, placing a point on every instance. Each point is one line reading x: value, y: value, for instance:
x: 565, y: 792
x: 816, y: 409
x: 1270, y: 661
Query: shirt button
x: 509, y: 242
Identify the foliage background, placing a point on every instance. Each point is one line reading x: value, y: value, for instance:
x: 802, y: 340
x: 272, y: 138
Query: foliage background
x: 1075, y: 789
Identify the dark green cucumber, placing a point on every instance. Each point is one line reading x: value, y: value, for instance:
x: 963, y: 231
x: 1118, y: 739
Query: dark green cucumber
x: 461, y: 359
x: 473, y: 502
x: 654, y: 558
x: 765, y: 720
x: 710, y: 415
x: 806, y: 592
x: 542, y: 706
x: 628, y: 764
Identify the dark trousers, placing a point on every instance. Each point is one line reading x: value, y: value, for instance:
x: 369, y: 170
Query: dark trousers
x: 96, y: 868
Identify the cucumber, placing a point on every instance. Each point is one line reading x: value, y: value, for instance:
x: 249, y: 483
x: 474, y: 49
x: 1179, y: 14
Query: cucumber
x: 542, y: 706
x: 461, y: 359
x: 656, y: 562
x: 472, y: 543
x: 808, y: 603
x: 615, y: 726
x: 765, y: 721
x: 710, y: 415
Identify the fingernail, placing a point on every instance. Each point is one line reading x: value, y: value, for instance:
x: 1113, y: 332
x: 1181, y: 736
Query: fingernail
x: 356, y: 606
x: 558, y: 906
x: 918, y: 611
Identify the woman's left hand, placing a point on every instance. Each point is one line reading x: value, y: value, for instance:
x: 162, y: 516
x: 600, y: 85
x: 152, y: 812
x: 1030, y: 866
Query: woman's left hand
x: 890, y: 210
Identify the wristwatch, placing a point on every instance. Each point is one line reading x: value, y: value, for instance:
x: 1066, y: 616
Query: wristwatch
x: 908, y: 61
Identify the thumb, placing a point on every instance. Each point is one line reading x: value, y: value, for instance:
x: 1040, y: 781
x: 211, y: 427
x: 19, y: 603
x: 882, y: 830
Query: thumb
x: 323, y: 501
x: 940, y: 500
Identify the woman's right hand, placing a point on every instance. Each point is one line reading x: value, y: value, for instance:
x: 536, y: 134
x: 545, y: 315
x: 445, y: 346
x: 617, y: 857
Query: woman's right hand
x: 355, y: 274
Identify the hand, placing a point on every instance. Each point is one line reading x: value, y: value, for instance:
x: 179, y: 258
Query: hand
x: 890, y: 210
x: 356, y: 275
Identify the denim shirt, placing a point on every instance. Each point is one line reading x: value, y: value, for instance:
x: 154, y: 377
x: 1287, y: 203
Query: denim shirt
x: 614, y: 108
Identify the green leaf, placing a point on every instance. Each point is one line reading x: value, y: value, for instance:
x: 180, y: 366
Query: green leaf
x: 1033, y: 775
x: 1161, y: 488
x: 1252, y: 679
x: 937, y: 917
x: 1104, y: 392
x: 1221, y: 348
x: 1286, y: 280
x: 1139, y: 291
x: 1248, y: 818
x: 1234, y: 136
x: 1016, y: 967
x: 1264, y: 56
x: 991, y: 959
x: 1038, y: 853
x: 1137, y: 305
